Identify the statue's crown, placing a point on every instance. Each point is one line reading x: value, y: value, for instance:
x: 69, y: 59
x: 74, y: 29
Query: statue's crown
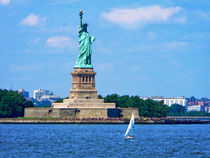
x: 85, y: 24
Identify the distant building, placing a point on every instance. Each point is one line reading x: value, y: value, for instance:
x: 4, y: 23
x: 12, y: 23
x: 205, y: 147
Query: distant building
x: 39, y: 93
x: 207, y: 103
x: 51, y: 98
x: 24, y: 93
x: 168, y: 100
x: 44, y: 98
x: 194, y: 108
x: 191, y: 103
x: 207, y: 109
x: 200, y: 104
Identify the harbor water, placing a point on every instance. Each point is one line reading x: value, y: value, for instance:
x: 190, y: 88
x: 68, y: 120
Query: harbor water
x: 65, y: 140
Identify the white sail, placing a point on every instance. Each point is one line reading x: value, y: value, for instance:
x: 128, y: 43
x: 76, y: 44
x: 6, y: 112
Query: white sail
x: 131, y: 125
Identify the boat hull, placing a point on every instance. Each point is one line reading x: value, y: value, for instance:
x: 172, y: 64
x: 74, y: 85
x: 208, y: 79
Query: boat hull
x: 129, y: 137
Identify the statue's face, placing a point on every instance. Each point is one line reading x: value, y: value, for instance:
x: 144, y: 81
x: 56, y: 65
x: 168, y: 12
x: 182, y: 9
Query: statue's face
x: 84, y: 27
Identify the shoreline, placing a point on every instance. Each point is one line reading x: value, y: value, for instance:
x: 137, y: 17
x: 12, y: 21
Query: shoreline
x: 167, y: 120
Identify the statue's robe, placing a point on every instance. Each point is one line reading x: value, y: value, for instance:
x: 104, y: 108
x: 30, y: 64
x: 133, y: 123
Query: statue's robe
x: 85, y: 51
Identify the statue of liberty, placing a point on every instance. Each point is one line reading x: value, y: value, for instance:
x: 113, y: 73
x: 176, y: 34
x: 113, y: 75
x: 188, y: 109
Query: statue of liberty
x: 85, y: 41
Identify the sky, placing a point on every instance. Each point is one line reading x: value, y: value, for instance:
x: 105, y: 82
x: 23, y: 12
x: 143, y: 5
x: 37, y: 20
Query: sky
x: 144, y: 48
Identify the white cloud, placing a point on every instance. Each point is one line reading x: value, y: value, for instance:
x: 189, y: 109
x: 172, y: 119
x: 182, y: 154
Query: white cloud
x: 133, y: 17
x: 197, y: 36
x: 35, y: 41
x: 60, y: 42
x: 151, y: 36
x: 104, y: 66
x: 174, y: 45
x: 4, y: 1
x: 25, y: 68
x: 135, y: 68
x: 204, y: 15
x: 33, y: 20
x: 62, y: 2
x: 180, y: 20
x: 160, y: 46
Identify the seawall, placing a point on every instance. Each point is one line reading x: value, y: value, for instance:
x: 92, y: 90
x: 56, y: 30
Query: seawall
x: 77, y: 121
x: 81, y: 113
x: 151, y: 120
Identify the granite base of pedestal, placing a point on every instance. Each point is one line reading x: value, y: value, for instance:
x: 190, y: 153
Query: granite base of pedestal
x: 83, y: 103
x: 81, y: 113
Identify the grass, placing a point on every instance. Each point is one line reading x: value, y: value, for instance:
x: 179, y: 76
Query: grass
x: 31, y: 118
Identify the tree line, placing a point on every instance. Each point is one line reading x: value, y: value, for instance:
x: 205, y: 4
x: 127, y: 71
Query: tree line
x: 179, y: 110
x: 12, y: 104
x: 150, y: 108
x: 147, y: 108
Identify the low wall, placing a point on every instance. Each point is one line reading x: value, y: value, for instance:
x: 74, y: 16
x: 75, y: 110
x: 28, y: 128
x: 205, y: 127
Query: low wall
x: 81, y: 113
x: 92, y: 113
x: 37, y: 112
x: 127, y: 112
x: 145, y: 120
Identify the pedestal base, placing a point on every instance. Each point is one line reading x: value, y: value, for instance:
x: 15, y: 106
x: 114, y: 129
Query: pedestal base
x: 84, y: 103
x: 83, y: 93
x: 83, y: 84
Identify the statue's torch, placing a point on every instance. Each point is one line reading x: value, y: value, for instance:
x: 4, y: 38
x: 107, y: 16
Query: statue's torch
x: 80, y: 14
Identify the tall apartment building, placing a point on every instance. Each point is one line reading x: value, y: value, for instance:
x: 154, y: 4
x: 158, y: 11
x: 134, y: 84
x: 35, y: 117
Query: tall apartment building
x: 200, y: 104
x: 45, y: 96
x: 194, y: 108
x: 168, y: 100
x: 24, y: 93
x: 38, y: 94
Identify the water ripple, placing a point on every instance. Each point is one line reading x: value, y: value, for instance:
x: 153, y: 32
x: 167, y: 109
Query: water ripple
x: 150, y: 141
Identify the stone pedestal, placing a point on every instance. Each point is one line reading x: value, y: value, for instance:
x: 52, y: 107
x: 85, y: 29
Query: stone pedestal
x: 83, y: 93
x: 83, y: 84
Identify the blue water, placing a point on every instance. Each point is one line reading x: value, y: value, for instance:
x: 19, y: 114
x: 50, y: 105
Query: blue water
x: 178, y: 141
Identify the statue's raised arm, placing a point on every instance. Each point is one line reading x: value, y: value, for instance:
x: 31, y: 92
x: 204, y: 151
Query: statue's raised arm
x: 80, y: 14
x: 85, y: 41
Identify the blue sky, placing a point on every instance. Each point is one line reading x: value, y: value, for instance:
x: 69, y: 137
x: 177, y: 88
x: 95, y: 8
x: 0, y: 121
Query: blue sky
x: 145, y: 48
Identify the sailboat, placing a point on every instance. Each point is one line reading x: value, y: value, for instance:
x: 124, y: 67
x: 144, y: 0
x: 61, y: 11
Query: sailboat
x: 128, y: 134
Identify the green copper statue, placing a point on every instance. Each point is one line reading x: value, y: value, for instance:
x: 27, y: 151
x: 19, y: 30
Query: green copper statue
x: 85, y: 41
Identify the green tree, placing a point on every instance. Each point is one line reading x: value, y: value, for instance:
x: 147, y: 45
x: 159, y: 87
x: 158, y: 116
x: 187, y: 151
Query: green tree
x: 149, y: 108
x: 61, y: 100
x: 100, y: 96
x: 177, y: 110
x: 12, y: 104
x: 112, y: 98
x: 197, y: 113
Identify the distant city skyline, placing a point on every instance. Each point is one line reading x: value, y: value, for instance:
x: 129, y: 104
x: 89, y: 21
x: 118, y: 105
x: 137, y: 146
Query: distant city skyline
x: 156, y: 98
x: 144, y: 48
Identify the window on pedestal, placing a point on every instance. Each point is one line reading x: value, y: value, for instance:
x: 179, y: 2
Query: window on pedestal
x: 83, y: 78
x: 89, y: 78
x: 86, y: 78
